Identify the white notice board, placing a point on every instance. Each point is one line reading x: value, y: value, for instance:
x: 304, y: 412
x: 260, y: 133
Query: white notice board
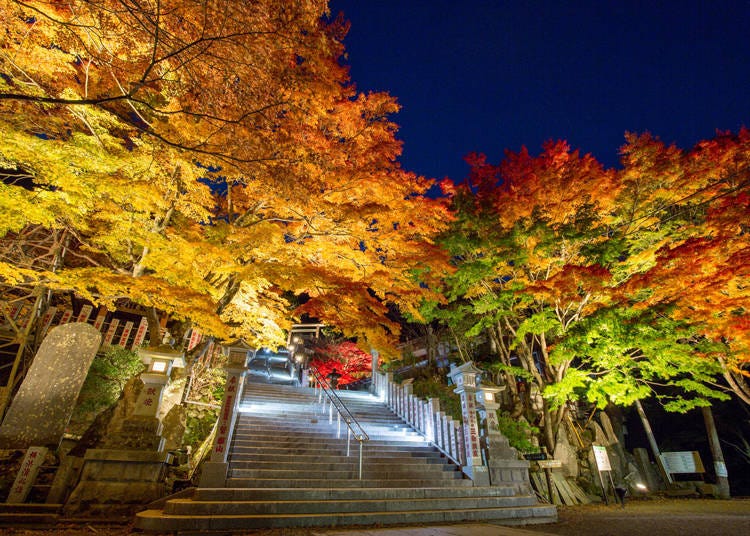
x: 682, y: 462
x: 602, y: 460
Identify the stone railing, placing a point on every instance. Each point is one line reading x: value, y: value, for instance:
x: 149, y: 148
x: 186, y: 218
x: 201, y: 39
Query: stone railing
x: 475, y: 445
x: 425, y: 416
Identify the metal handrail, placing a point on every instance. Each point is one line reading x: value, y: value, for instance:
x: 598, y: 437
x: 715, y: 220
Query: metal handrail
x: 342, y: 414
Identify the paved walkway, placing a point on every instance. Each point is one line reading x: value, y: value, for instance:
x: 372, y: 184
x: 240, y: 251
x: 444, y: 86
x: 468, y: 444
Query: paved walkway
x: 465, y: 529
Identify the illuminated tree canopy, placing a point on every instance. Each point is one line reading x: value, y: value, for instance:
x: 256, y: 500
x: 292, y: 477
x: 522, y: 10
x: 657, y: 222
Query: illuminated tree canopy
x: 613, y: 285
x: 208, y: 159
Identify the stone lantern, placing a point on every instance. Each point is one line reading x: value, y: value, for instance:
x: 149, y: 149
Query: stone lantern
x: 159, y: 367
x: 131, y: 466
x: 465, y: 379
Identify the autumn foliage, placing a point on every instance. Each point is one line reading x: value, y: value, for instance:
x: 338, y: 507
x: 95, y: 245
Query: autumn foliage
x: 210, y: 160
x: 605, y: 284
x: 345, y: 359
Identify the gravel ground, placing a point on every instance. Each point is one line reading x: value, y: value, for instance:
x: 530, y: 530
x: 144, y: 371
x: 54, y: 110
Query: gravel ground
x: 652, y: 517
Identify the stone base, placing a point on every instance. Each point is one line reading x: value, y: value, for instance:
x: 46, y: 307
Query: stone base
x: 118, y: 481
x: 478, y: 475
x: 513, y: 473
x: 137, y: 433
x: 213, y: 475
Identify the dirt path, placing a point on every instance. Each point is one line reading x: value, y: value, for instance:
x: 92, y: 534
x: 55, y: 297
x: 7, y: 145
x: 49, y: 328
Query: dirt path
x: 655, y: 517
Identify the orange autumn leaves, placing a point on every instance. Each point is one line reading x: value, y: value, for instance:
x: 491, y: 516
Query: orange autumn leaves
x: 213, y: 160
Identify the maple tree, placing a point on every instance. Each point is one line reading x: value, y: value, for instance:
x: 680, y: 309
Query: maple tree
x: 610, y: 285
x: 689, y: 247
x: 526, y: 243
x: 206, y: 159
x: 343, y: 358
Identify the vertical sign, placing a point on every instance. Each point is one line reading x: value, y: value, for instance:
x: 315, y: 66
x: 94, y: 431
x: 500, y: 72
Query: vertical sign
x: 110, y: 335
x: 85, y: 313
x: 47, y: 319
x: 602, y: 464
x: 66, y: 316
x: 195, y: 338
x: 125, y: 334
x: 30, y: 465
x: 140, y: 333
x: 99, y: 322
x: 224, y: 425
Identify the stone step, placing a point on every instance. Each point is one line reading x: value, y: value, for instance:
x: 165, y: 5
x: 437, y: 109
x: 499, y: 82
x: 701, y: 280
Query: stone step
x: 359, y: 493
x: 29, y: 515
x: 347, y: 464
x: 197, y: 524
x: 221, y: 508
x: 321, y: 429
x: 323, y: 443
x: 418, y: 452
x: 426, y: 472
x: 328, y: 483
x: 260, y: 457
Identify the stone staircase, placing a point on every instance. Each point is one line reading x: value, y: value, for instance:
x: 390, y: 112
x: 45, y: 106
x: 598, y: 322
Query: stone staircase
x: 288, y: 467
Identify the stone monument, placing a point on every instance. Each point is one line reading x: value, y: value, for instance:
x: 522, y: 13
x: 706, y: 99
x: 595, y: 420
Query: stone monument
x: 465, y: 380
x: 44, y: 403
x: 214, y: 471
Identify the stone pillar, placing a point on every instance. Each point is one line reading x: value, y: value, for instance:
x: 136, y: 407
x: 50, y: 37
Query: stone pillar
x: 505, y: 468
x: 465, y: 379
x: 375, y: 359
x: 431, y: 409
x: 214, y: 472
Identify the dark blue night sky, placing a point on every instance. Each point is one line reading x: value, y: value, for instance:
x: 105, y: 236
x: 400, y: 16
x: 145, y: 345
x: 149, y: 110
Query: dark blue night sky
x: 487, y: 76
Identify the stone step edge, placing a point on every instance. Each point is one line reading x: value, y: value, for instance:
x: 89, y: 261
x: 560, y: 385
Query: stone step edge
x: 149, y: 519
x: 322, y: 494
x: 341, y: 506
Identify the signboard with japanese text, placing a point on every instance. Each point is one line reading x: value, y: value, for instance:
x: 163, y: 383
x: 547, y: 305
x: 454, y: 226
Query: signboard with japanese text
x: 140, y: 333
x: 99, y: 321
x: 85, y: 313
x: 66, y: 316
x: 110, y: 335
x: 125, y: 334
x: 195, y: 338
x: 471, y: 427
x: 682, y: 462
x: 602, y: 459
x: 30, y: 465
x: 47, y: 319
x: 224, y: 424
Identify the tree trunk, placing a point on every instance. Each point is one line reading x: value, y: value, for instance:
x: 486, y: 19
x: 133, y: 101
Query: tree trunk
x: 652, y: 442
x: 722, y: 478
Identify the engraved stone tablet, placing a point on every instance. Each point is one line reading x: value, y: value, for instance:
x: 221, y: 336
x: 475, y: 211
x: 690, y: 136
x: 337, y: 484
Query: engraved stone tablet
x: 42, y: 407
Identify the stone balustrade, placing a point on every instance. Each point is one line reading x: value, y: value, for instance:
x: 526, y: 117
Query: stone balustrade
x: 423, y: 415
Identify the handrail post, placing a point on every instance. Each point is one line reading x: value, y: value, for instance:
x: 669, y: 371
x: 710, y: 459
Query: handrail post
x: 360, y: 459
x: 342, y: 413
